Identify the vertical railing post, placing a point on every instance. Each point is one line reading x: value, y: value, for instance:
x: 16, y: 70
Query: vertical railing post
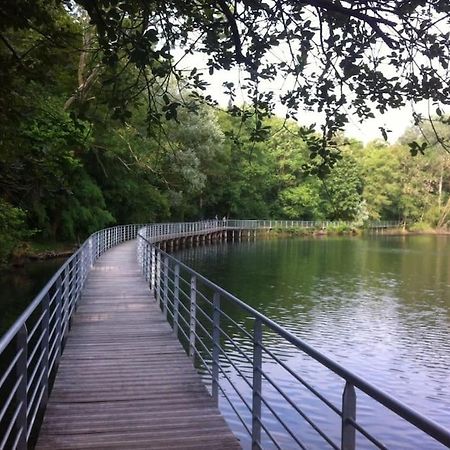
x: 64, y: 302
x: 192, y: 315
x: 158, y: 277
x: 166, y: 286
x: 152, y: 267
x: 58, y: 320
x: 20, y: 427
x: 348, y: 413
x: 144, y: 262
x: 45, y: 325
x: 176, y: 299
x: 257, y: 384
x: 216, y: 347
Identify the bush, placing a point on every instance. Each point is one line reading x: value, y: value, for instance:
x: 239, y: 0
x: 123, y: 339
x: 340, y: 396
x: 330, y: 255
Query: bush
x: 12, y: 229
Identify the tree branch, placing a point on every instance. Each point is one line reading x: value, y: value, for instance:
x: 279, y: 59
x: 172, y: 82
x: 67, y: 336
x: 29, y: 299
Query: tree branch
x: 373, y: 22
x: 240, y: 57
x: 11, y: 48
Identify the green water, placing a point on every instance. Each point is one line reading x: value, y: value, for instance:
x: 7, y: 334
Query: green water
x: 378, y: 305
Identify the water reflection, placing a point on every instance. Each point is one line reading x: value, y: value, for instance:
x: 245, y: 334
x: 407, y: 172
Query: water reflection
x: 18, y: 287
x: 377, y: 305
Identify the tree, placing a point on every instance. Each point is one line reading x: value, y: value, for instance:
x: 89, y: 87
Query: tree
x: 338, y: 57
x: 343, y: 189
x: 436, y: 162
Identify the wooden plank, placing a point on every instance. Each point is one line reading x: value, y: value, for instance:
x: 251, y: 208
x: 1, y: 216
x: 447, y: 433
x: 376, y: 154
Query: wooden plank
x: 124, y: 381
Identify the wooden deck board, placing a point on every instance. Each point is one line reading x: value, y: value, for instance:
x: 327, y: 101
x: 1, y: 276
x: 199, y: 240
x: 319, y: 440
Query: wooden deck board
x: 124, y: 381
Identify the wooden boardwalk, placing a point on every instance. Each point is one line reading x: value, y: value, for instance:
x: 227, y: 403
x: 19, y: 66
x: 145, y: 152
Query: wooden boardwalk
x: 124, y: 381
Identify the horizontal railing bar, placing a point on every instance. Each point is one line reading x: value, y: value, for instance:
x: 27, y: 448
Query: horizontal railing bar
x: 35, y: 391
x: 239, y: 327
x: 236, y: 346
x: 204, y: 313
x: 36, y: 325
x: 203, y: 296
x: 52, y: 314
x: 222, y: 351
x: 10, y: 397
x: 290, y: 432
x: 268, y: 434
x: 55, y: 356
x: 11, y: 426
x: 302, y: 381
x: 205, y: 365
x: 10, y: 367
x: 52, y: 298
x: 205, y: 331
x: 53, y: 329
x: 240, y: 395
x: 186, y: 336
x: 36, y: 368
x: 19, y: 435
x: 234, y: 409
x: 299, y: 411
x: 185, y: 308
x: 366, y: 434
x: 36, y: 348
x: 36, y: 409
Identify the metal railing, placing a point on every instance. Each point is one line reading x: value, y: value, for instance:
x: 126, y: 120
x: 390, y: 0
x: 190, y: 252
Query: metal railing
x: 30, y: 350
x: 197, y: 309
x: 307, y: 224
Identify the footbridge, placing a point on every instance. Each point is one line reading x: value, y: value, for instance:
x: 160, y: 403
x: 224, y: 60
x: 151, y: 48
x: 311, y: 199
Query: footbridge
x: 127, y: 347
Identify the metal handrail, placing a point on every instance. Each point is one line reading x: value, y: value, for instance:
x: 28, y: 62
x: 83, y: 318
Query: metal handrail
x: 29, y: 360
x: 155, y: 263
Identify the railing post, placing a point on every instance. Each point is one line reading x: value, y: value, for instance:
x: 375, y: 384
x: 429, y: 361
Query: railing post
x: 158, y: 276
x: 176, y: 299
x: 45, y: 345
x: 20, y: 426
x: 216, y: 347
x: 257, y: 384
x: 166, y: 286
x: 348, y: 412
x: 152, y: 267
x: 192, y: 316
x: 58, y: 318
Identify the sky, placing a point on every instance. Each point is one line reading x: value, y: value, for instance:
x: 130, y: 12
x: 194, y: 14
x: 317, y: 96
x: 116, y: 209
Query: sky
x: 394, y: 120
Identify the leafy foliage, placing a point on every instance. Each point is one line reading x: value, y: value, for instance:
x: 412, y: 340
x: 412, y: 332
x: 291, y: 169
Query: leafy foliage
x: 12, y: 229
x: 99, y: 123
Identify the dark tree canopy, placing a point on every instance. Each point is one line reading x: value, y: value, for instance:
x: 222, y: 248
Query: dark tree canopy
x: 341, y: 57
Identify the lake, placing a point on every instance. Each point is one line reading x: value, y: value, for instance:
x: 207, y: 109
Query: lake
x: 19, y: 285
x: 378, y: 305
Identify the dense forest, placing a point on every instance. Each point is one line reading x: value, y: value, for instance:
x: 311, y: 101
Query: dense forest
x: 71, y: 162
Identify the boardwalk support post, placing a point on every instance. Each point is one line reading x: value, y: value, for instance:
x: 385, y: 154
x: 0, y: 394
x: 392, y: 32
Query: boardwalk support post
x: 257, y: 384
x: 216, y: 347
x: 348, y: 415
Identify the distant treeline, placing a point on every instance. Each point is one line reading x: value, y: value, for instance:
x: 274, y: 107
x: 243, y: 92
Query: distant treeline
x: 70, y: 163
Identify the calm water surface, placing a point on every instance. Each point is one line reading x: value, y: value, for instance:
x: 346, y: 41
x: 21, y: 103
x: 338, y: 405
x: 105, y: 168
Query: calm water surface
x: 18, y: 287
x: 380, y: 306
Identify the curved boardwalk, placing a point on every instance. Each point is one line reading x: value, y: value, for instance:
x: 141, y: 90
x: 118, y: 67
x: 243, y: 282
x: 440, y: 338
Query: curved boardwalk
x: 124, y: 381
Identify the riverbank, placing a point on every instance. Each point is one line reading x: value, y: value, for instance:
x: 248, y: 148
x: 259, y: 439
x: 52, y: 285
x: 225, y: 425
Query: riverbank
x: 41, y: 251
x: 346, y: 230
